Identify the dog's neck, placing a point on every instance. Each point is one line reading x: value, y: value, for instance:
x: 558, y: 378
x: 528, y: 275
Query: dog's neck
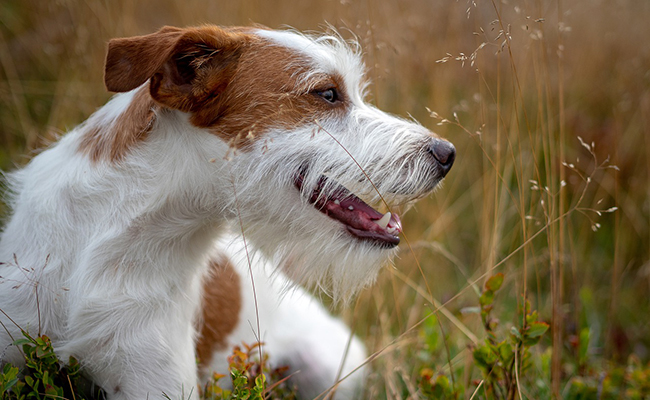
x: 178, y: 170
x: 157, y: 201
x: 164, y: 184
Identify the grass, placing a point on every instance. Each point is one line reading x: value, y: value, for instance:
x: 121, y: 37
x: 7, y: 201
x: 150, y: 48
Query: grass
x: 542, y: 99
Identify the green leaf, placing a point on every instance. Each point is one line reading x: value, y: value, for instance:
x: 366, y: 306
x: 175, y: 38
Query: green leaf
x: 260, y: 380
x: 46, y: 378
x: 443, y: 382
x: 41, y: 352
x: 52, y: 390
x: 21, y: 342
x: 505, y: 351
x: 7, y: 384
x: 530, y: 342
x: 486, y: 298
x: 537, y: 329
x: 484, y: 357
x: 20, y: 385
x: 495, y: 282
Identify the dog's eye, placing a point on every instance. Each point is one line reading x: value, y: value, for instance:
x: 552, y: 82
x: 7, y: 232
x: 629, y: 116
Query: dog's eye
x: 330, y: 95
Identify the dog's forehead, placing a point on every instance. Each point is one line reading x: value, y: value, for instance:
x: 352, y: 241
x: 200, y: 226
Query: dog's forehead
x: 301, y: 44
x: 330, y: 54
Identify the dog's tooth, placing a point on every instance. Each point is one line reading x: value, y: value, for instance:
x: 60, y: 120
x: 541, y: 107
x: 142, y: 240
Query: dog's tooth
x: 337, y: 202
x: 383, y: 222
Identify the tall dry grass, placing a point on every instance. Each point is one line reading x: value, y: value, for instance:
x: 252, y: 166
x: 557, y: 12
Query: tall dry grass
x: 513, y: 84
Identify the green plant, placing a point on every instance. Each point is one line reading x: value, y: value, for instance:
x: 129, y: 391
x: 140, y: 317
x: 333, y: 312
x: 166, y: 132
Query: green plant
x: 251, y: 377
x: 631, y: 381
x: 43, y: 377
x: 502, y: 362
x: 439, y: 388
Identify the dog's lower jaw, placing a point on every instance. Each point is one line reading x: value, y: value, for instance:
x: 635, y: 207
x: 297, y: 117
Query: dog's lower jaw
x: 327, y: 257
x: 356, y: 217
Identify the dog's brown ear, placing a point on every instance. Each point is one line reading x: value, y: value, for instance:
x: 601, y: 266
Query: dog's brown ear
x: 186, y: 66
x: 131, y: 61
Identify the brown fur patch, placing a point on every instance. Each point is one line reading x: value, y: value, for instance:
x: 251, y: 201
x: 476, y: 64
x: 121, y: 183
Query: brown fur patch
x: 112, y: 142
x: 267, y: 92
x: 222, y: 304
x: 232, y: 82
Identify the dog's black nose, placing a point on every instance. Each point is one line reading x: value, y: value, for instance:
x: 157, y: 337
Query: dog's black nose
x: 444, y: 152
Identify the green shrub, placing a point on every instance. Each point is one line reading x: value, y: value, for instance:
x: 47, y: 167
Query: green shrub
x: 502, y: 359
x: 252, y: 379
x: 42, y: 377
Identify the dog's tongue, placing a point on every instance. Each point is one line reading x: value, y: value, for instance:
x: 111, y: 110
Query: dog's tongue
x: 359, y: 218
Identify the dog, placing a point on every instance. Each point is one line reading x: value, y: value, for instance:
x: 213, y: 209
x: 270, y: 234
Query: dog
x: 111, y: 228
x: 297, y: 331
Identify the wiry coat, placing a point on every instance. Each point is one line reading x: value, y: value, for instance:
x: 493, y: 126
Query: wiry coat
x: 112, y: 226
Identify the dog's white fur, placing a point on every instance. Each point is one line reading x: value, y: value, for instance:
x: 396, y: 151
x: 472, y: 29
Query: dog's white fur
x: 107, y: 256
x: 295, y: 328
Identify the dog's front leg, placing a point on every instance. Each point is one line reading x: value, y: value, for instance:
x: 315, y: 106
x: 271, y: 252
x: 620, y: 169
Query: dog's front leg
x: 131, y: 314
x: 133, y: 349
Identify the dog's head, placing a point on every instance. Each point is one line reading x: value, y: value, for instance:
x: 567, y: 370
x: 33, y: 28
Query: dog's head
x: 311, y: 163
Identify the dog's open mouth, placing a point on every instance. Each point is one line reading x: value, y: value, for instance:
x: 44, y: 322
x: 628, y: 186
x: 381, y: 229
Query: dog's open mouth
x: 360, y: 220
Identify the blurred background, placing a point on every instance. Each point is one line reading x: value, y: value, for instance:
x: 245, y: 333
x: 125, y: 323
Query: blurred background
x: 548, y: 105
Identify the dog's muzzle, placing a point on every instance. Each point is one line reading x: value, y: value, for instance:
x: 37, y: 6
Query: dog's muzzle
x: 361, y: 220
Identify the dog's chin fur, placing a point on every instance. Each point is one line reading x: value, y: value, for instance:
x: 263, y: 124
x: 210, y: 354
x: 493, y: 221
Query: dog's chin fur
x: 331, y: 259
x: 312, y: 249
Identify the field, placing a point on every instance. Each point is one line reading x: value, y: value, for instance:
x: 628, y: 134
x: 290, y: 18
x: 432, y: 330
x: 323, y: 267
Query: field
x: 548, y: 105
